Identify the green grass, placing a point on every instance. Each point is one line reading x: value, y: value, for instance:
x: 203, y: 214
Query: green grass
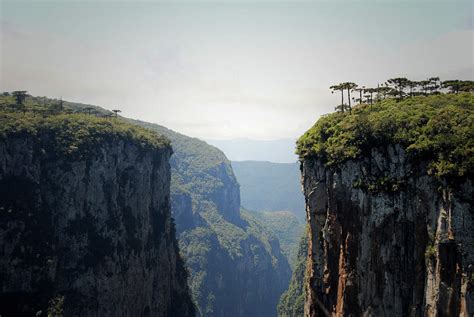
x: 438, y: 129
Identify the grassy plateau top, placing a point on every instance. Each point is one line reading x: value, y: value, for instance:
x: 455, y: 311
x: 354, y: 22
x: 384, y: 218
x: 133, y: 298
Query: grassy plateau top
x: 436, y: 128
x: 73, y: 132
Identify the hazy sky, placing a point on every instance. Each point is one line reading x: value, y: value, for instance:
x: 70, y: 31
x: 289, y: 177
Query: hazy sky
x: 221, y: 70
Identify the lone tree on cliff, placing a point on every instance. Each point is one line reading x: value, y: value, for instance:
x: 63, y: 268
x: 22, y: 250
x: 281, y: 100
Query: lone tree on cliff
x: 340, y: 88
x: 399, y: 84
x: 20, y: 96
x: 57, y: 108
x: 88, y: 110
x: 370, y: 95
x: 360, y: 91
x: 116, y: 111
x: 349, y: 86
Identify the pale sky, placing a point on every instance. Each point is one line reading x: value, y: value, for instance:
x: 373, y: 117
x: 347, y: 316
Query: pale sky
x: 220, y: 70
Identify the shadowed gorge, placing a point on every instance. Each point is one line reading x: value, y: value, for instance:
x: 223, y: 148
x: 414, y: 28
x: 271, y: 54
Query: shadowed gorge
x: 236, y: 265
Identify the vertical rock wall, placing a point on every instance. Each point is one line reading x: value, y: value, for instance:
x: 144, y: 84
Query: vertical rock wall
x: 90, y: 236
x: 386, y: 239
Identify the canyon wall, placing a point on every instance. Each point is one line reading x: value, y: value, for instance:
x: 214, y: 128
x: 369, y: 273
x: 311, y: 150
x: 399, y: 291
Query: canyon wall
x: 85, y: 228
x: 387, y: 239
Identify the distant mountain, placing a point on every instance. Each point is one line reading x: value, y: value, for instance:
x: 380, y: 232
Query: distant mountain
x: 278, y: 151
x: 266, y: 186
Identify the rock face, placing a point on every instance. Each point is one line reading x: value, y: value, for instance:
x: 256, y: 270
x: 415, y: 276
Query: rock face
x: 90, y: 236
x: 386, y: 239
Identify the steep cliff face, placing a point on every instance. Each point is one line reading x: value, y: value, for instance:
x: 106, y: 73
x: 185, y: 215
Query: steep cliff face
x: 408, y: 252
x: 389, y: 198
x: 85, y: 224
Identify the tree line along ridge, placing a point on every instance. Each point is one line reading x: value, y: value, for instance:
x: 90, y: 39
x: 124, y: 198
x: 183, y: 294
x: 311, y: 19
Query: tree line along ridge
x: 398, y: 88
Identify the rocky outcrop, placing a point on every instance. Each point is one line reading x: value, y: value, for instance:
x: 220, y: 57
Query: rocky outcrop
x: 89, y: 235
x: 387, y: 239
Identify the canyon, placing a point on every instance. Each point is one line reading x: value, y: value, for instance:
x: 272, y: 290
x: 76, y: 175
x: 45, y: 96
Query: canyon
x: 111, y: 216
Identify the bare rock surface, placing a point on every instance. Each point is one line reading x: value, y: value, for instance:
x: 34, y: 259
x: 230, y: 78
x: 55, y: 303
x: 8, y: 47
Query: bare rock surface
x: 90, y: 236
x: 387, y: 239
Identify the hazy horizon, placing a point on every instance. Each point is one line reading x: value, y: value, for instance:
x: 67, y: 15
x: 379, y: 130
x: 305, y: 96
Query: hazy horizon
x: 257, y: 70
x: 245, y: 149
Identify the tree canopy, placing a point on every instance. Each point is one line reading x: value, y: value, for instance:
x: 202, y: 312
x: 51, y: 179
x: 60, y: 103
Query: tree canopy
x: 437, y: 128
x: 398, y: 88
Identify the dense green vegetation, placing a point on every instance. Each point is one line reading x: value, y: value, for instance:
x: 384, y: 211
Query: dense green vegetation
x: 215, y: 255
x: 46, y: 106
x: 398, y: 88
x: 73, y: 133
x: 267, y: 186
x: 195, y: 164
x: 436, y: 128
x: 286, y: 227
x: 292, y: 301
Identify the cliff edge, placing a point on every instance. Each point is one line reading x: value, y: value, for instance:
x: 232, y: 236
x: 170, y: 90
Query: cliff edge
x: 389, y: 200
x: 85, y: 224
